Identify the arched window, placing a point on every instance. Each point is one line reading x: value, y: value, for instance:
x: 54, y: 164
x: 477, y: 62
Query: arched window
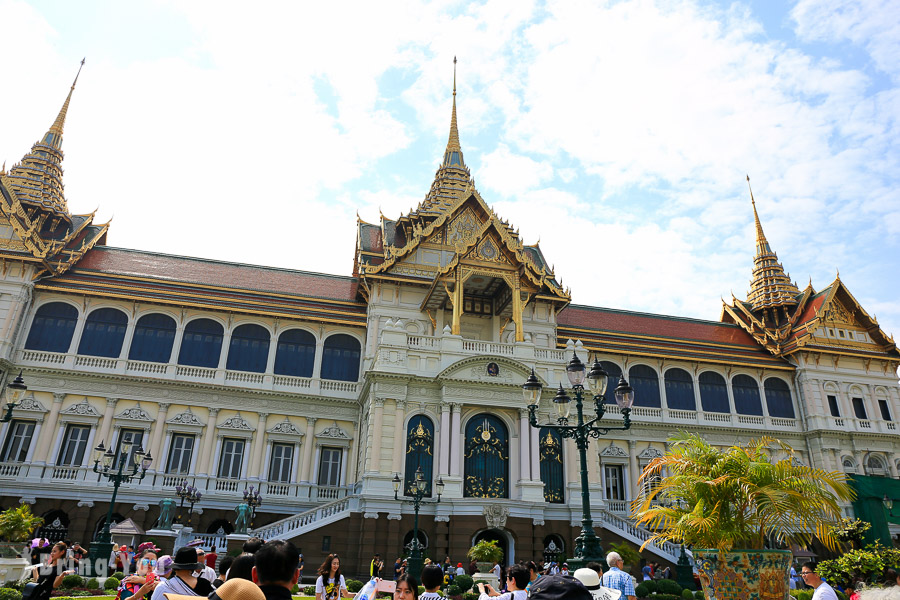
x: 875, y: 465
x: 486, y: 458
x: 419, y: 453
x: 614, y: 373
x: 746, y: 396
x: 680, y: 390
x: 201, y: 345
x: 778, y: 398
x: 645, y: 382
x: 340, y: 358
x: 52, y: 328
x: 55, y: 527
x: 249, y: 350
x: 154, y: 335
x: 551, y: 454
x: 848, y: 464
x: 713, y: 392
x: 104, y: 332
x: 295, y: 354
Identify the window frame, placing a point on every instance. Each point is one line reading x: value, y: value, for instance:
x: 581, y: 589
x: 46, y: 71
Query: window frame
x: 67, y: 441
x: 233, y: 455
x: 289, y: 469
x: 17, y: 442
x: 335, y: 466
x: 181, y: 453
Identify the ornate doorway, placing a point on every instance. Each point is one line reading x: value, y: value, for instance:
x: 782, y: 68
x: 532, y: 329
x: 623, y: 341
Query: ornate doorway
x: 503, y: 541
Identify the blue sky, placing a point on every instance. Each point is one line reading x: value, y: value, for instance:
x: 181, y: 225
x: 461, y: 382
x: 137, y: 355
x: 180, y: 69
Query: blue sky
x: 617, y: 133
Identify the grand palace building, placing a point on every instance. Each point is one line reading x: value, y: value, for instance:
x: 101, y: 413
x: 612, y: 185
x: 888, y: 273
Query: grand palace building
x: 317, y: 389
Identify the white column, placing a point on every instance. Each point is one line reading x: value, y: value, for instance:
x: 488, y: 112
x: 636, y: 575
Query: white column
x: 308, y: 442
x: 154, y: 445
x: 273, y: 348
x: 258, y: 440
x: 377, y: 434
x: 44, y: 442
x: 176, y: 343
x: 106, y: 423
x: 209, y: 435
x: 446, y: 436
x: 129, y: 335
x: 317, y: 364
x: 76, y: 335
x: 454, y: 438
x: 633, y: 469
x: 399, y: 435
x: 524, y: 445
x: 226, y: 346
x: 534, y: 446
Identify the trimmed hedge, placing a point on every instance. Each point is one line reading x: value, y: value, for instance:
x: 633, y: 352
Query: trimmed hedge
x: 463, y: 582
x: 354, y: 585
x: 72, y: 581
x: 10, y: 594
x: 687, y: 595
x: 111, y: 583
x: 309, y: 590
x: 92, y: 584
x: 119, y: 575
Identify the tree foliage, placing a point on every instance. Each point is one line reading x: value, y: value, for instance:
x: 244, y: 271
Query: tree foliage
x: 738, y: 497
x: 851, y: 531
x: 867, y: 564
x: 17, y: 523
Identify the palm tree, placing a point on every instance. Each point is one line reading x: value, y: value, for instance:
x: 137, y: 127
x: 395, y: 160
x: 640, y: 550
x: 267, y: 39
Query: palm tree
x: 738, y: 497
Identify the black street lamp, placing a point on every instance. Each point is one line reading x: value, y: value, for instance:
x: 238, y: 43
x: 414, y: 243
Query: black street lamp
x: 253, y: 499
x: 187, y: 493
x: 888, y: 504
x: 15, y: 389
x: 419, y: 490
x: 101, y: 546
x: 587, y: 544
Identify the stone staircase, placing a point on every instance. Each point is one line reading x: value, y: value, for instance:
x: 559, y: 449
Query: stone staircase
x: 637, y: 535
x: 304, y: 522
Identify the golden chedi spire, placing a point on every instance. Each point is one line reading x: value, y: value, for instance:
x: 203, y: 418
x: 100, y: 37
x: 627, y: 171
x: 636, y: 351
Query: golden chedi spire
x: 770, y: 288
x: 37, y: 178
x: 452, y: 176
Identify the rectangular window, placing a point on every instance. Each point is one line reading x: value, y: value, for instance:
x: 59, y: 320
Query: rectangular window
x: 615, y: 485
x: 232, y: 458
x: 330, y: 466
x: 134, y: 437
x: 859, y: 408
x: 281, y: 463
x: 650, y: 483
x: 833, y: 405
x: 18, y: 440
x: 71, y: 454
x: 326, y: 543
x: 885, y: 411
x: 180, y: 453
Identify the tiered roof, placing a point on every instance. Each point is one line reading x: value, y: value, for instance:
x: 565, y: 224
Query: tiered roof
x: 33, y: 202
x: 771, y: 287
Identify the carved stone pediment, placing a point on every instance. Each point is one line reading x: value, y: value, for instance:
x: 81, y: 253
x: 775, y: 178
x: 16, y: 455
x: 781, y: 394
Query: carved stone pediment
x: 31, y: 405
x: 285, y: 428
x: 135, y: 413
x: 334, y: 432
x: 185, y: 417
x: 236, y: 422
x: 488, y: 368
x: 82, y: 409
x: 495, y: 515
x: 649, y: 454
x: 614, y: 451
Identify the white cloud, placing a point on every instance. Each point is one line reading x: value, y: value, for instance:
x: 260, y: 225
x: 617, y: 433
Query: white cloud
x: 507, y: 173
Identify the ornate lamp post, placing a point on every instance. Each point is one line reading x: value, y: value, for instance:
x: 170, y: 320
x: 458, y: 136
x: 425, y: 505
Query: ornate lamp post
x: 101, y: 545
x: 888, y: 504
x: 253, y: 499
x: 419, y: 490
x: 15, y: 389
x: 187, y: 493
x: 587, y: 544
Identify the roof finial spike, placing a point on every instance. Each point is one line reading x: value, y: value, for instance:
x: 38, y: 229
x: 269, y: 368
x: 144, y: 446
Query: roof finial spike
x: 454, y: 76
x: 53, y: 137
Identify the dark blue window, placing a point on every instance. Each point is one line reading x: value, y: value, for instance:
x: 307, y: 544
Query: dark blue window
x: 486, y: 458
x: 614, y: 373
x: 713, y: 392
x: 340, y: 358
x: 746, y: 396
x: 295, y: 354
x: 419, y: 453
x: 201, y: 345
x: 154, y: 335
x: 551, y: 454
x: 104, y: 332
x: 645, y: 382
x: 680, y: 390
x: 52, y: 328
x: 249, y: 350
x: 778, y: 398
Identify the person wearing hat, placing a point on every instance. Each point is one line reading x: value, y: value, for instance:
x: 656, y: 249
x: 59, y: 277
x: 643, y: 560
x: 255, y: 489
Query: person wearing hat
x: 460, y: 570
x: 182, y: 580
x: 233, y: 589
x: 591, y: 580
x: 559, y: 587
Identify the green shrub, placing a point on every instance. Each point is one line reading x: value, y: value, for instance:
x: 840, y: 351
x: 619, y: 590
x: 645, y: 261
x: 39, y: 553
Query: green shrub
x: 464, y: 583
x: 119, y: 575
x: 111, y: 583
x: 309, y: 590
x: 453, y: 590
x: 295, y: 589
x: 354, y: 585
x: 802, y: 594
x: 92, y: 584
x: 642, y: 591
x: 72, y: 581
x: 471, y: 596
x: 841, y: 595
x: 10, y: 594
x: 698, y: 595
x: 81, y: 593
x: 687, y: 595
x: 17, y: 585
x: 421, y: 590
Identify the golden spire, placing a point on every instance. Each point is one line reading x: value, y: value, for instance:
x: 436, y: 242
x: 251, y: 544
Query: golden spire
x: 453, y: 141
x: 770, y: 287
x: 53, y: 137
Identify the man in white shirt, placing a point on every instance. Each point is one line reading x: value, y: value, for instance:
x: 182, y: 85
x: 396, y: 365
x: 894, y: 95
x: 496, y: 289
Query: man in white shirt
x: 823, y: 591
x: 516, y: 584
x: 206, y: 572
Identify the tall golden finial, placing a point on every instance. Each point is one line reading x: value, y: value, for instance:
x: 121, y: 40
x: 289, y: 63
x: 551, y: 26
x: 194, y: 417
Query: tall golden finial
x: 761, y: 241
x: 453, y: 141
x: 53, y: 137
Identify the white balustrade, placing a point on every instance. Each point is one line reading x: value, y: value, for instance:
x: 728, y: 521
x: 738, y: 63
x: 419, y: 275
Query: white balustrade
x: 864, y: 424
x: 10, y: 469
x: 227, y: 485
x: 717, y: 417
x: 95, y: 362
x: 287, y: 528
x: 339, y: 386
x: 243, y: 377
x: 51, y: 358
x: 684, y: 415
x: 550, y: 355
x: 300, y: 383
x: 195, y: 372
x: 488, y: 348
x: 782, y: 422
x: 423, y: 342
x: 750, y: 420
x: 643, y: 411
x: 619, y: 507
x: 140, y: 366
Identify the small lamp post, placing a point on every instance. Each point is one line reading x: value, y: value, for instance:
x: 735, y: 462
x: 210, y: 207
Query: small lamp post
x: 15, y: 389
x: 253, y: 499
x: 118, y: 472
x: 190, y: 494
x: 587, y: 544
x: 420, y: 488
x: 888, y: 504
